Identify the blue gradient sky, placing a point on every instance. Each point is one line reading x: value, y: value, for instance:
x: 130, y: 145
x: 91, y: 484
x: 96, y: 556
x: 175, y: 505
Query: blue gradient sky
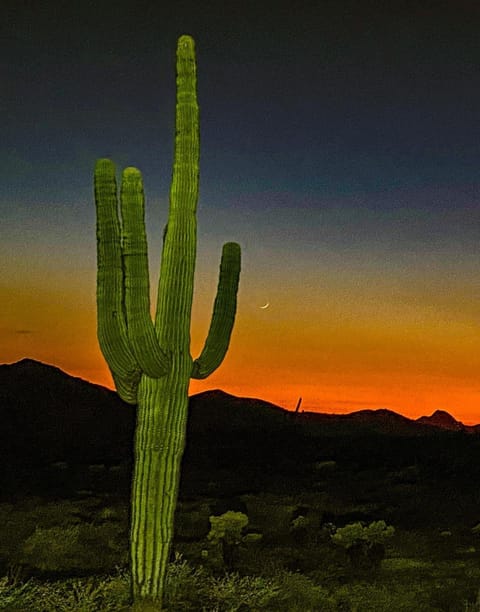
x: 339, y: 146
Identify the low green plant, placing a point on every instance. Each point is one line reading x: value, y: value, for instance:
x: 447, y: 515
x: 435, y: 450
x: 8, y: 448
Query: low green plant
x: 82, y: 548
x: 195, y: 590
x: 225, y: 537
x: 14, y: 596
x: 187, y: 589
x: 233, y: 593
x: 99, y: 594
x: 19, y: 523
x: 227, y: 527
x: 298, y: 593
x: 376, y: 533
x: 364, y: 544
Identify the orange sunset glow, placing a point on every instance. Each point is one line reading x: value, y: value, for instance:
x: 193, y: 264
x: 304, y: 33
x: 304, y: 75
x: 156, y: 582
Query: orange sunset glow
x: 411, y: 353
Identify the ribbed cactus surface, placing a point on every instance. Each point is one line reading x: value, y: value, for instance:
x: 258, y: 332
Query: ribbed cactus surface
x: 150, y: 361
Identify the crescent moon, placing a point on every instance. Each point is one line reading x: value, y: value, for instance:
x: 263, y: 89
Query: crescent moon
x: 265, y: 306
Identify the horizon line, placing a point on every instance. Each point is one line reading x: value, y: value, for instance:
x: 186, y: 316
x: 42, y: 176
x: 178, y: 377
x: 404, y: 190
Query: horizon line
x: 314, y: 411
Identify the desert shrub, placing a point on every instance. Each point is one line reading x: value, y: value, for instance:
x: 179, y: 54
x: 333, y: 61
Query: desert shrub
x: 104, y: 594
x: 233, y: 593
x: 189, y: 589
x: 193, y: 589
x: 17, y: 524
x: 16, y: 597
x: 225, y: 537
x: 364, y: 544
x: 186, y: 588
x: 227, y: 527
x: 286, y: 592
x: 297, y: 593
x: 377, y: 532
x: 75, y: 549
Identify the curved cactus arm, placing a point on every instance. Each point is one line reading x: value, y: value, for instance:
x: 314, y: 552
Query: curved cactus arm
x: 223, y: 317
x: 112, y: 327
x: 140, y: 329
x: 127, y: 388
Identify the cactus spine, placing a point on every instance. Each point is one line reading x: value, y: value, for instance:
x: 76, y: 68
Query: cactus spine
x: 151, y: 363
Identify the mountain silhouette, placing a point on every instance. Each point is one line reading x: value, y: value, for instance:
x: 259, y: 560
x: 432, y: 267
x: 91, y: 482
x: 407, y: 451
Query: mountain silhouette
x: 444, y: 420
x: 47, y: 415
x: 380, y: 421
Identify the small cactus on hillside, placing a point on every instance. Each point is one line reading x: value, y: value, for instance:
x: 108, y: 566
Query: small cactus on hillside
x: 227, y: 534
x: 364, y: 544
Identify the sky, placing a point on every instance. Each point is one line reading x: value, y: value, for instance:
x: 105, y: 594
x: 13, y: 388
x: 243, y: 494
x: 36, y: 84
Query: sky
x: 339, y: 146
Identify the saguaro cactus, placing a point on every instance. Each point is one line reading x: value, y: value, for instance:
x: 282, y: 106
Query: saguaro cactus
x: 151, y: 362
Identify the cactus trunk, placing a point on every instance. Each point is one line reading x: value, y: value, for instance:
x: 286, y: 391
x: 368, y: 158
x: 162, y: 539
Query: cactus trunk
x: 151, y: 363
x: 159, y: 444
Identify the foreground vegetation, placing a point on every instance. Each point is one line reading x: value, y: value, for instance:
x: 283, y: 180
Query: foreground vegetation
x: 194, y: 589
x: 277, y: 555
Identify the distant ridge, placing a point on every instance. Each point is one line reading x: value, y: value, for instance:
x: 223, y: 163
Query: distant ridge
x: 444, y: 420
x: 27, y: 365
x: 47, y: 415
x: 439, y: 419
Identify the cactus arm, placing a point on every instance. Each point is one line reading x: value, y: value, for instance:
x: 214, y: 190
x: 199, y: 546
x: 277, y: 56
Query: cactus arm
x: 140, y: 329
x: 175, y: 289
x: 127, y: 388
x: 223, y: 317
x: 112, y: 327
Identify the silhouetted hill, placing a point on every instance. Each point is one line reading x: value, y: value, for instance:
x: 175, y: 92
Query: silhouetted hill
x: 379, y: 421
x: 444, y: 420
x: 382, y: 421
x: 216, y: 411
x: 47, y: 415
